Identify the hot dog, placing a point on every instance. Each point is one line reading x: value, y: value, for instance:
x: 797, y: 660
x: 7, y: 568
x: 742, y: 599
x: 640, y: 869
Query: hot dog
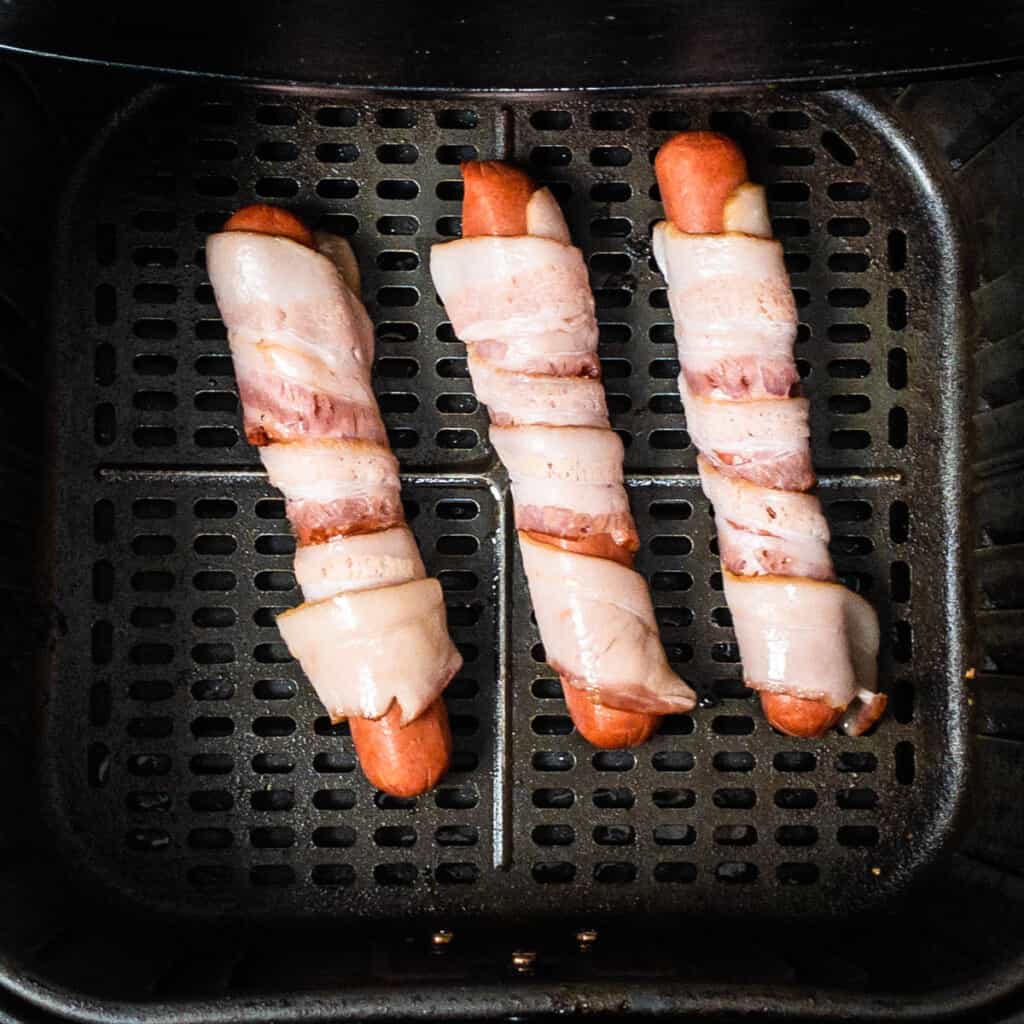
x: 518, y: 295
x: 808, y: 645
x: 302, y: 346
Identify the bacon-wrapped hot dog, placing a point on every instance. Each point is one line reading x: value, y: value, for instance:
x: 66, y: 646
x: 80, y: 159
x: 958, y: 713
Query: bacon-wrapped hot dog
x: 371, y: 635
x: 518, y: 295
x: 808, y: 644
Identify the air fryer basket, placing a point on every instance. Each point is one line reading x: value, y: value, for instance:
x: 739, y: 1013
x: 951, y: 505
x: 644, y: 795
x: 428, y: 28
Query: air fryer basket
x: 197, y: 841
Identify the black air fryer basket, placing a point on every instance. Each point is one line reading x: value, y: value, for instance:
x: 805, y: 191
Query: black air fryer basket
x: 186, y: 837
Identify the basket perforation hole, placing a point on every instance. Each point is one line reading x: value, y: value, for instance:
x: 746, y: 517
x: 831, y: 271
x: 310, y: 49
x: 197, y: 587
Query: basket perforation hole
x: 668, y: 544
x: 547, y: 689
x: 730, y: 122
x: 553, y: 835
x: 337, y: 117
x: 396, y: 117
x: 457, y: 119
x: 273, y: 725
x: 902, y: 701
x: 675, y: 835
x: 615, y: 872
x: 857, y: 799
x: 675, y: 872
x: 795, y: 761
x: 147, y: 839
x: 857, y: 835
x: 457, y: 873
x: 736, y: 872
x: 272, y: 837
x: 398, y: 189
x: 150, y: 690
x: 849, y: 263
x: 148, y: 802
x: 552, y: 725
x: 338, y: 153
x: 898, y: 427
x: 613, y: 761
x: 739, y: 798
x: 614, y: 835
x: 213, y: 689
x: 611, y: 227
x: 733, y: 761
x: 276, y: 151
x: 342, y: 224
x: 849, y: 334
x: 276, y: 875
x: 335, y: 875
x: 732, y: 725
x: 553, y: 761
x: 902, y: 641
x: 796, y: 835
x: 214, y: 618
x: 672, y: 799
x: 397, y: 874
x: 848, y: 298
x: 796, y: 799
x: 211, y: 764
x: 672, y: 761
x: 272, y: 800
x: 334, y: 799
x: 797, y: 873
x: 342, y: 836
x: 277, y: 114
x: 450, y: 155
x: 216, y: 185
x: 337, y: 188
x: 735, y: 835
x: 791, y: 227
x: 896, y: 249
x: 457, y: 835
x: 272, y: 764
x: 896, y: 309
x: 105, y: 364
x: 397, y: 225
x: 97, y: 768
x: 212, y: 727
x: 334, y: 762
x: 210, y: 838
x: 553, y: 872
x: 610, y: 798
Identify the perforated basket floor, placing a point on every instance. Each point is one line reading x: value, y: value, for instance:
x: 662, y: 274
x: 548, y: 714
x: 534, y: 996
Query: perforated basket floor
x: 189, y: 766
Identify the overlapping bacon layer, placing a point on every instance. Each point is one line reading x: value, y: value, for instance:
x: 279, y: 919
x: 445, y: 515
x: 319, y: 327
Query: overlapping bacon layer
x: 803, y: 637
x: 371, y: 633
x: 523, y: 306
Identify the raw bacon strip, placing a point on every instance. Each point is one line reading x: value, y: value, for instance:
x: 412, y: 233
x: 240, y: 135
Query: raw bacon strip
x: 809, y: 645
x: 518, y: 294
x: 371, y: 634
x: 567, y: 482
x: 335, y: 487
x: 818, y: 640
x: 301, y: 341
x: 597, y: 622
x: 363, y: 561
x: 388, y: 644
x: 762, y: 531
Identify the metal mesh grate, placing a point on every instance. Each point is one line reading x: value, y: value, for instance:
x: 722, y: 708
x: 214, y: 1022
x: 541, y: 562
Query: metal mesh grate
x: 195, y: 767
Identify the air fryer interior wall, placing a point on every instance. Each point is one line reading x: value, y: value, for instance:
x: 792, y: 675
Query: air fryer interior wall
x: 187, y: 785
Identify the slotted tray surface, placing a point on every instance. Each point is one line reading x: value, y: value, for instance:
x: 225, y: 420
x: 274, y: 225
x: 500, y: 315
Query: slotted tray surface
x: 189, y: 765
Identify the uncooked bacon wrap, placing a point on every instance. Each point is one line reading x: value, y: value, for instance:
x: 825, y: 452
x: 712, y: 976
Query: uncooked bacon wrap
x: 372, y: 630
x: 800, y: 633
x: 523, y: 306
